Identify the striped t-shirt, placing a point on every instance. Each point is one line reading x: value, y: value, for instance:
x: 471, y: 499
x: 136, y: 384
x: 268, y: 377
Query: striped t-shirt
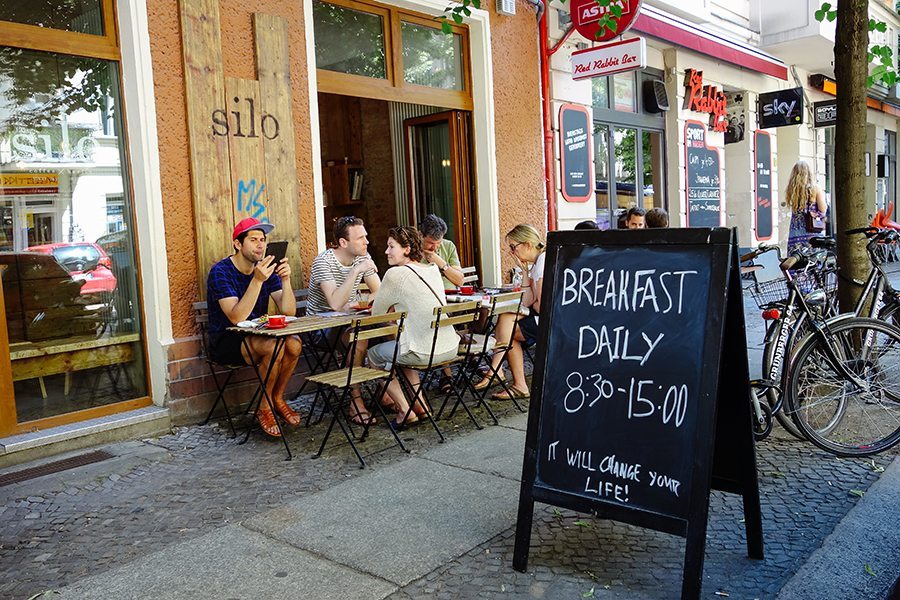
x: 327, y: 267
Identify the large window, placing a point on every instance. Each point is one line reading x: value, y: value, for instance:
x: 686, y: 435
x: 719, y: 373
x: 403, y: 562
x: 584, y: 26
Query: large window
x: 70, y: 284
x: 629, y: 164
x: 379, y: 52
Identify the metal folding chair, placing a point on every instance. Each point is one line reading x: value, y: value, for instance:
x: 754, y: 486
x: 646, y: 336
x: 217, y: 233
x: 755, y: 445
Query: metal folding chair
x: 217, y: 370
x: 333, y: 387
x: 509, y: 302
x: 458, y: 315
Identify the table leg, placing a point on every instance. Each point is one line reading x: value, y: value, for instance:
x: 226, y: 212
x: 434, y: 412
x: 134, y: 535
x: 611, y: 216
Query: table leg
x: 264, y: 393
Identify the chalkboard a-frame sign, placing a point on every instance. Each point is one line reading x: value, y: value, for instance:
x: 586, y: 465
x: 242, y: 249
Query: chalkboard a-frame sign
x: 652, y: 409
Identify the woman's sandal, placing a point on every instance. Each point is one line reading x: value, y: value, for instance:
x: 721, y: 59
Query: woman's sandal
x: 445, y: 384
x: 487, y: 380
x: 410, y: 421
x: 267, y: 423
x: 287, y: 413
x: 512, y: 394
x: 360, y: 417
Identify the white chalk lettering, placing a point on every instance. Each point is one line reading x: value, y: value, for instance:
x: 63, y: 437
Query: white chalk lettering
x: 607, y: 489
x: 626, y: 291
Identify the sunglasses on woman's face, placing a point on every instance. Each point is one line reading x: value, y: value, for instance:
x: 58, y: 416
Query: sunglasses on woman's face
x: 512, y: 247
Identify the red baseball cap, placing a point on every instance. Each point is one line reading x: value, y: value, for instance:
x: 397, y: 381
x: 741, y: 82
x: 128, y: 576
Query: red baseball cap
x: 249, y: 223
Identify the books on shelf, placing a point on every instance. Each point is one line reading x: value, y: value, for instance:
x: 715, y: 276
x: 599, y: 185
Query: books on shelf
x: 356, y: 185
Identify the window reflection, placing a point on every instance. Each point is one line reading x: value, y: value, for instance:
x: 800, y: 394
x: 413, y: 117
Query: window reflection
x: 70, y: 289
x: 80, y: 16
x: 349, y: 41
x: 431, y: 57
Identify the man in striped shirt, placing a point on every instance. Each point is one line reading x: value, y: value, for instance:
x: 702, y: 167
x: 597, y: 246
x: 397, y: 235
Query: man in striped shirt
x: 334, y: 286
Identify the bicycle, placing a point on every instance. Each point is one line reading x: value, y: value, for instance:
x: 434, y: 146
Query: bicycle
x: 843, y: 382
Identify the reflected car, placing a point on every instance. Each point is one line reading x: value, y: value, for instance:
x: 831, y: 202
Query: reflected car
x: 84, y: 261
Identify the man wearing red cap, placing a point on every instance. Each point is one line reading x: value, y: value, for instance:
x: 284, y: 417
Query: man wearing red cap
x: 238, y: 289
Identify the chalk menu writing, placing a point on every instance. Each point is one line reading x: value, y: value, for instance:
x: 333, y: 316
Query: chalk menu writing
x: 620, y: 404
x: 763, y: 168
x: 575, y: 152
x: 702, y: 182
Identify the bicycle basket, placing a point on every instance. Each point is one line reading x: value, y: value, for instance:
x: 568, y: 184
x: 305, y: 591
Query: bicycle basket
x: 768, y: 292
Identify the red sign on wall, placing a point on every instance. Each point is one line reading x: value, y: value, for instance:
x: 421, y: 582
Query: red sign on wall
x: 586, y: 15
x: 706, y: 99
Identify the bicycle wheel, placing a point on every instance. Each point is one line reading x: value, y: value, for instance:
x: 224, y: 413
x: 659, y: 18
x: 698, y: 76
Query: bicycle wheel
x: 773, y: 396
x: 844, y: 389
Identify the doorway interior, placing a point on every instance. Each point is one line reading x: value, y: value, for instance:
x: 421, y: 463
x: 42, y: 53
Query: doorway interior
x: 391, y: 163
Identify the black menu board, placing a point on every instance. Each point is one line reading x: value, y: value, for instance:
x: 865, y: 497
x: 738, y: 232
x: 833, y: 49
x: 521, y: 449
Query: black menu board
x: 624, y: 423
x: 702, y: 182
x: 575, y: 143
x: 762, y: 160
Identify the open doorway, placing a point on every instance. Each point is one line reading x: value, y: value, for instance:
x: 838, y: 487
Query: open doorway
x: 392, y: 163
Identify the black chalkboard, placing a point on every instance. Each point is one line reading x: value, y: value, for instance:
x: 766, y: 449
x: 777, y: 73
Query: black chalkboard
x: 624, y: 426
x: 762, y: 153
x: 702, y: 181
x: 575, y: 151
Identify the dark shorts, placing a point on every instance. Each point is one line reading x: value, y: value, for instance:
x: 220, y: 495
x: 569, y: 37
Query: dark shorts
x: 225, y: 348
x: 529, y: 327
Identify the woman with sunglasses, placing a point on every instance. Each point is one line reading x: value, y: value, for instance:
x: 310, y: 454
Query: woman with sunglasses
x: 527, y: 249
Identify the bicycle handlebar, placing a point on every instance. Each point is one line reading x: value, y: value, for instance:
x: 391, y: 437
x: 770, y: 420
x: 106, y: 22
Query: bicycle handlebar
x: 761, y: 249
x: 865, y: 230
x: 789, y: 263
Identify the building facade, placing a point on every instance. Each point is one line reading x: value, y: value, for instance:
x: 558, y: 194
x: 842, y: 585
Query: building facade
x: 741, y: 80
x: 133, y: 135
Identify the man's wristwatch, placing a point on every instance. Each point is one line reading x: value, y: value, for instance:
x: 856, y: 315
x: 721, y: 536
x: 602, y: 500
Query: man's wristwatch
x: 444, y: 268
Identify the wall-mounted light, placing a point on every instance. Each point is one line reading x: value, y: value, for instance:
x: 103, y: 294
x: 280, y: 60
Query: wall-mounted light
x: 445, y: 163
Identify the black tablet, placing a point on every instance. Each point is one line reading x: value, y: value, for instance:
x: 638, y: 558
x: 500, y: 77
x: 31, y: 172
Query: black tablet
x: 276, y: 249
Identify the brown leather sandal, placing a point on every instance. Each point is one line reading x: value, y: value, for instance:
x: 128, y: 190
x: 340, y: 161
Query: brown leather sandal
x: 287, y: 413
x: 267, y: 423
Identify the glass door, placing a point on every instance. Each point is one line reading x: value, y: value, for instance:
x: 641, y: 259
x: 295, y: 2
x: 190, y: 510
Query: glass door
x: 628, y: 162
x: 439, y: 176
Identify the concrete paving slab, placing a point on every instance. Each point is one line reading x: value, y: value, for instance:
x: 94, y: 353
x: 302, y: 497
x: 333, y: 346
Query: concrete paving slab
x: 230, y: 563
x: 398, y: 523
x: 518, y: 421
x: 492, y: 451
x: 861, y: 557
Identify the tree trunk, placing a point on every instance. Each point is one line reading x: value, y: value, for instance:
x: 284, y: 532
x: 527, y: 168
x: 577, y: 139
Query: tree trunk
x: 850, y: 70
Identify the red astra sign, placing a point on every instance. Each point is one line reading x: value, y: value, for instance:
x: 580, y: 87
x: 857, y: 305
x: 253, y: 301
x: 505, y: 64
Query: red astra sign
x: 586, y: 15
x: 706, y: 99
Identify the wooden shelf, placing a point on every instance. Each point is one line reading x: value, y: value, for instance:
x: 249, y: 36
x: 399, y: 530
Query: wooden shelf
x: 343, y: 183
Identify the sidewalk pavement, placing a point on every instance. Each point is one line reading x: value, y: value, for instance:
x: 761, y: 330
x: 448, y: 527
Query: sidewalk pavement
x: 440, y: 524
x: 194, y: 515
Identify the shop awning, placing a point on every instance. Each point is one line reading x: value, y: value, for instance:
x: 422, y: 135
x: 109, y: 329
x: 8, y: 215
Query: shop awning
x: 660, y: 25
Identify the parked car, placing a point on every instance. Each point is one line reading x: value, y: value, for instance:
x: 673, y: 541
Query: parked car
x: 43, y: 301
x: 85, y: 261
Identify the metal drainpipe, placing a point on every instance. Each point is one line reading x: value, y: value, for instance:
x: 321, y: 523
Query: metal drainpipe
x: 549, y: 171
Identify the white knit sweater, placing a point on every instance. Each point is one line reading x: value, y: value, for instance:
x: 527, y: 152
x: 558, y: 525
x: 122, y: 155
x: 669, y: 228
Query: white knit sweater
x: 402, y: 290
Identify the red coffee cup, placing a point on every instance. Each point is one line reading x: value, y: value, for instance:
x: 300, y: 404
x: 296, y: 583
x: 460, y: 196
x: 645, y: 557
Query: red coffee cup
x: 276, y: 321
x: 467, y: 290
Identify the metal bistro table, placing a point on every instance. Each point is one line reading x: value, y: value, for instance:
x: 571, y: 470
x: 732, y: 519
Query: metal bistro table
x: 299, y: 326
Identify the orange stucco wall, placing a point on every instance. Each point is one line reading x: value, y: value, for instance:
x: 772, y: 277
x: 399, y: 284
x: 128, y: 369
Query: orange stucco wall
x: 239, y: 61
x: 517, y: 118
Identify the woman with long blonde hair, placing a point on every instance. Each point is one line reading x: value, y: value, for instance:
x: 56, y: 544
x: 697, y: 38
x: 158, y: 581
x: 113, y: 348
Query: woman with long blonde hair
x: 803, y: 196
x: 527, y: 250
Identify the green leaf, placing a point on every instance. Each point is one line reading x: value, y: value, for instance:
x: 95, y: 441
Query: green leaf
x: 588, y: 594
x: 832, y: 15
x: 776, y: 474
x: 870, y: 571
x: 557, y: 513
x: 457, y: 18
x: 876, y: 468
x: 881, y: 27
x: 859, y: 493
x: 584, y: 524
x: 819, y: 15
x: 467, y: 12
x: 446, y: 27
x: 476, y: 4
x: 616, y: 10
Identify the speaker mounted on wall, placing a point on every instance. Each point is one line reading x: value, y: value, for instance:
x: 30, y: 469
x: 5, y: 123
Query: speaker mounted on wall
x: 656, y: 100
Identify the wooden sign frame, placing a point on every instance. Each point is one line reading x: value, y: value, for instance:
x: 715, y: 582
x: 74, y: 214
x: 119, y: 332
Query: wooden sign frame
x: 724, y: 456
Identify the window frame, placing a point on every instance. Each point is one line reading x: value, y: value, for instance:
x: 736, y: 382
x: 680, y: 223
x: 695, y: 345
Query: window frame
x: 394, y: 88
x: 106, y: 47
x: 35, y: 37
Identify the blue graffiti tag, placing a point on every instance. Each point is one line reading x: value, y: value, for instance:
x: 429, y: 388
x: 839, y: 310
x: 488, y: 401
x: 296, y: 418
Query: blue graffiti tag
x: 248, y: 195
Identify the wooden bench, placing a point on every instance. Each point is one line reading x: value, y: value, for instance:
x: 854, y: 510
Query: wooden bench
x: 32, y: 360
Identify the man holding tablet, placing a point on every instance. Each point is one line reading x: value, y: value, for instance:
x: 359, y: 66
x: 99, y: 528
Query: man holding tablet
x: 238, y: 289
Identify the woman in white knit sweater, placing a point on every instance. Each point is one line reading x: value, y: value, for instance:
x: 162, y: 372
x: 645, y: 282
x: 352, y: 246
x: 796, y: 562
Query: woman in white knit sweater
x: 416, y: 289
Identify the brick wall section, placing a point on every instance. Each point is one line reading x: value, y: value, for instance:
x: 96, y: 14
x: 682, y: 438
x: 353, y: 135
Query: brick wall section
x: 378, y: 186
x: 192, y: 389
